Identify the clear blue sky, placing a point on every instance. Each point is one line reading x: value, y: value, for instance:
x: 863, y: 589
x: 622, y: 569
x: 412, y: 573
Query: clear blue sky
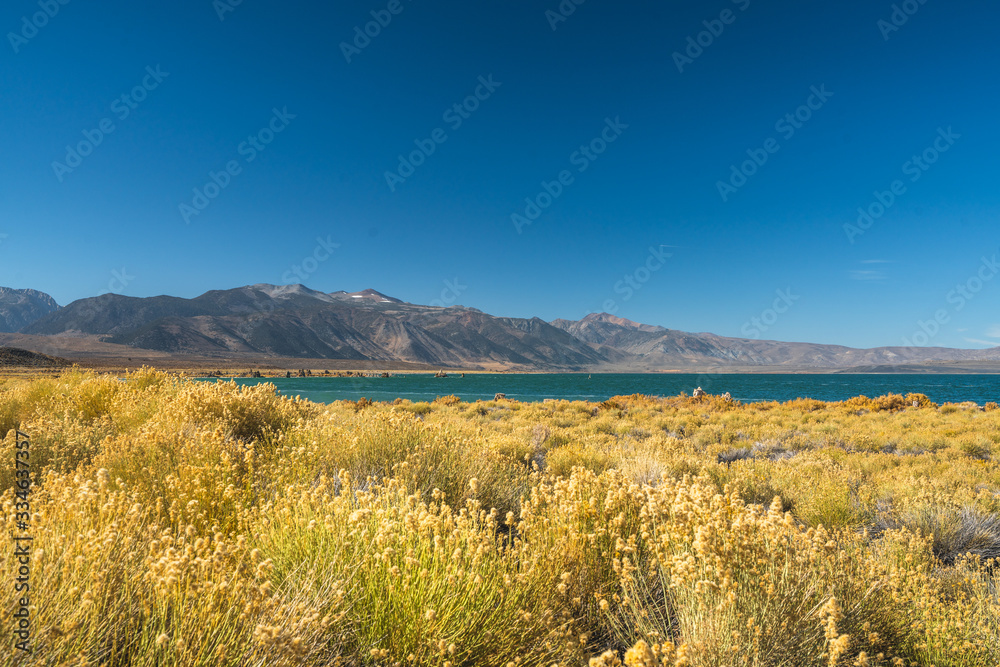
x: 679, y: 123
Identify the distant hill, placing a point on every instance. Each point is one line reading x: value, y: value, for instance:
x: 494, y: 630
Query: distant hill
x: 21, y: 307
x: 14, y: 356
x: 656, y: 347
x: 641, y: 340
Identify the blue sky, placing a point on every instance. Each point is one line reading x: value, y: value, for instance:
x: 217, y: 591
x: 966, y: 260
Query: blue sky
x: 698, y: 165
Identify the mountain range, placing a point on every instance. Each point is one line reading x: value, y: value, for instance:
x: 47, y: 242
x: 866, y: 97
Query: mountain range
x: 292, y: 321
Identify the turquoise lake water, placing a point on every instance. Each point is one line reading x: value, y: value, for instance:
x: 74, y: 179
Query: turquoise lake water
x: 599, y: 386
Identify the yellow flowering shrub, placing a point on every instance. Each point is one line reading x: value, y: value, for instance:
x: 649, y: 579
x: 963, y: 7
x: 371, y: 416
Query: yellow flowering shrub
x: 177, y: 522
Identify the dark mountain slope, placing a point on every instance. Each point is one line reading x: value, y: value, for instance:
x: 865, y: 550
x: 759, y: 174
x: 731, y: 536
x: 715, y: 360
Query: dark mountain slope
x: 295, y: 321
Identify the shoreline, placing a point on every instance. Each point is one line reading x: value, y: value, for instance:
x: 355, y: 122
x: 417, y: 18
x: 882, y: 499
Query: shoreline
x: 707, y: 397
x: 203, y: 371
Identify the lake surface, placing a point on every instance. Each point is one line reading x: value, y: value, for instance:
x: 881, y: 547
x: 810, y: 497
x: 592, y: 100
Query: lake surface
x: 601, y: 386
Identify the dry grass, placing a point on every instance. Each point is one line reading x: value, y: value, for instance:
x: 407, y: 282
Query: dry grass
x: 187, y: 523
